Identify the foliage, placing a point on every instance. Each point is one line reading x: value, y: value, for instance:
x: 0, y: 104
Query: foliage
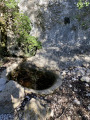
x: 83, y: 3
x: 20, y: 25
x: 11, y: 3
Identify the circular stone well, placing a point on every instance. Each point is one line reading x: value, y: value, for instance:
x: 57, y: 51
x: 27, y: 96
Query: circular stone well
x: 33, y: 77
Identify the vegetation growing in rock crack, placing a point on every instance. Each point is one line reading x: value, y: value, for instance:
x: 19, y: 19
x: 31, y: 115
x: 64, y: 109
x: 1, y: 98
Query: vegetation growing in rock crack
x: 13, y: 20
x: 83, y: 3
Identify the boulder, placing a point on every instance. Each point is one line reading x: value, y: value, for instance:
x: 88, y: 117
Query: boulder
x: 11, y: 97
x: 35, y: 110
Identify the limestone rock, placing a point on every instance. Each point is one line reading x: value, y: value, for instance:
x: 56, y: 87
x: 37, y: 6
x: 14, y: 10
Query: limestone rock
x: 88, y: 94
x: 76, y: 101
x: 2, y: 83
x: 10, y: 68
x: 11, y: 97
x: 34, y: 110
x: 62, y: 43
x: 89, y: 107
x: 85, y: 78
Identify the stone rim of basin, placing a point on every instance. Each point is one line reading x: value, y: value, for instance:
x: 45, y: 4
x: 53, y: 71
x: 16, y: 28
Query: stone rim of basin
x: 49, y: 90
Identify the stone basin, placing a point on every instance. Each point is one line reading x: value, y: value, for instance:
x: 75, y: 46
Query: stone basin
x: 52, y: 77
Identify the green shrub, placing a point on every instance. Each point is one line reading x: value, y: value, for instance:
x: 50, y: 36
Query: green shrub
x: 82, y: 3
x: 20, y: 25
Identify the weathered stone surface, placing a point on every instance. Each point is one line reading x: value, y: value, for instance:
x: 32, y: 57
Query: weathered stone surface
x: 2, y: 83
x: 89, y: 107
x: 76, y: 101
x: 34, y: 110
x: 63, y: 44
x: 85, y: 78
x: 11, y: 97
x: 10, y: 68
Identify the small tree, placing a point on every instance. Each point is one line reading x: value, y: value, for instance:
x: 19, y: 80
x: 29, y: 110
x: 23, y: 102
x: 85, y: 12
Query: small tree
x: 20, y: 25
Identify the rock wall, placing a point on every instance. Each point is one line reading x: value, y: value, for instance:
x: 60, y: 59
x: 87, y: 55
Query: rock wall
x: 62, y: 28
x: 47, y: 17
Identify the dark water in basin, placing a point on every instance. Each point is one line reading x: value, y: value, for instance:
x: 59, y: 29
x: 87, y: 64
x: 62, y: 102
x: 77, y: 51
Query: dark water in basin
x: 32, y: 77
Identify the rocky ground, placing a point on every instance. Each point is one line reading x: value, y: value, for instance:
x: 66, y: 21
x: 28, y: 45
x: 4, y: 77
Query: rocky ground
x: 71, y: 101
